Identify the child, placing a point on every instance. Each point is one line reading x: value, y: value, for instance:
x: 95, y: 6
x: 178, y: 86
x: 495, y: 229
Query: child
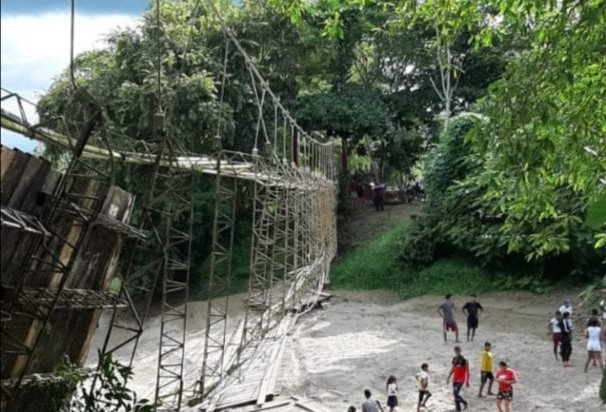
x: 486, y: 369
x: 594, y: 346
x: 556, y: 333
x: 392, y: 393
x: 506, y: 378
x: 423, y: 385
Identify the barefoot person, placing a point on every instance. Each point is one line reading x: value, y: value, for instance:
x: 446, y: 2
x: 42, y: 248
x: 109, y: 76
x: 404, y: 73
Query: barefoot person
x: 472, y: 310
x: 506, y: 378
x: 594, y: 347
x: 392, y: 393
x: 460, y: 376
x: 423, y: 385
x: 446, y: 311
x: 566, y: 339
x: 486, y: 369
x: 555, y: 332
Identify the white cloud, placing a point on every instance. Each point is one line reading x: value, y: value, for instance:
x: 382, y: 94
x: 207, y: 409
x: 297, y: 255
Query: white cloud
x: 36, y: 48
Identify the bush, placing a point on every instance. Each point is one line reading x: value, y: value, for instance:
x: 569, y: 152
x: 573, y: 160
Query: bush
x: 448, y: 276
x: 376, y: 265
x: 418, y: 246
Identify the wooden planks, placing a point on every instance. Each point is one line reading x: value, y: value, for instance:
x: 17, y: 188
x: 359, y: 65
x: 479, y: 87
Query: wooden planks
x: 28, y: 186
x: 256, y: 383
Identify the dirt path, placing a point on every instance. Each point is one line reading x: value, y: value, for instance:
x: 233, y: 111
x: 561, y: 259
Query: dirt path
x: 365, y: 336
x: 361, y: 223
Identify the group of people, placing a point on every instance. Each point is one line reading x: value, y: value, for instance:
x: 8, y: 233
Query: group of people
x: 378, y: 189
x: 561, y: 328
x: 459, y: 376
x: 378, y: 193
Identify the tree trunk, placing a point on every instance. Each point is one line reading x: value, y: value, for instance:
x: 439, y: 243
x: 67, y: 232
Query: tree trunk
x: 344, y: 160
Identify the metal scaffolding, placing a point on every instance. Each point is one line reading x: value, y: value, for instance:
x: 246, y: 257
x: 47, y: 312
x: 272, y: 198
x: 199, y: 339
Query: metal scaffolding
x: 76, y: 203
x: 294, y: 182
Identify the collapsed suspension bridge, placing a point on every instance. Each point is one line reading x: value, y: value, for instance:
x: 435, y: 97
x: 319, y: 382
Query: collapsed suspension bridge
x: 291, y: 179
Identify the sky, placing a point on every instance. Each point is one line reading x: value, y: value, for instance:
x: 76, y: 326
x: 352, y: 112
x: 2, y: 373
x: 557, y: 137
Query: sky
x: 35, y: 44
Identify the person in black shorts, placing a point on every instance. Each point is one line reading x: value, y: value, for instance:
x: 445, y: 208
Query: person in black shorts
x: 472, y: 310
x: 506, y: 378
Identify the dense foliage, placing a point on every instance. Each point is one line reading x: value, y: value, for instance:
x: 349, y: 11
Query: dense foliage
x: 505, y: 100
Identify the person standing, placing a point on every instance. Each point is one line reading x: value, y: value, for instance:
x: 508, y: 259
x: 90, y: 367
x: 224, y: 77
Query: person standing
x: 603, y: 309
x: 360, y: 193
x: 565, y: 339
x: 460, y: 376
x: 379, y: 192
x: 472, y: 310
x: 446, y: 311
x: 555, y: 332
x: 370, y: 405
x: 423, y: 385
x: 594, y: 346
x: 486, y: 369
x: 595, y: 316
x: 506, y: 378
x: 567, y: 308
x: 392, y: 393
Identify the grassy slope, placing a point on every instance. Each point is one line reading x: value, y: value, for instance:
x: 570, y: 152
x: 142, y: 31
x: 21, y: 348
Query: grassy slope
x: 375, y: 265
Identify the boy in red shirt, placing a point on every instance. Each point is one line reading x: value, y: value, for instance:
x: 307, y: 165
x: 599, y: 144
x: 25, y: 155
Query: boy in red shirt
x: 460, y: 377
x: 506, y: 378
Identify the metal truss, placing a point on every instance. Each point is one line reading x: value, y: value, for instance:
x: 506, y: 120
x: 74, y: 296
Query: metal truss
x: 175, y: 294
x: 165, y: 254
x: 16, y: 219
x: 82, y: 188
x: 219, y: 279
x: 293, y: 238
x: 79, y: 299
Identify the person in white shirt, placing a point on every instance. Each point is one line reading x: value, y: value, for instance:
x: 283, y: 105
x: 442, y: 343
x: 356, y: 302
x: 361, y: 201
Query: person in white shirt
x: 423, y: 385
x: 370, y: 404
x: 594, y: 347
x: 392, y: 393
x: 603, y: 307
x: 555, y: 332
x: 566, y: 308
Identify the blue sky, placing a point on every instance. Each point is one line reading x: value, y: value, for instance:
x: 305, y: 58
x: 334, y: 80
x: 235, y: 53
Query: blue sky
x: 35, y: 43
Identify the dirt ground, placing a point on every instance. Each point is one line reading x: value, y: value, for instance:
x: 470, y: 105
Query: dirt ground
x: 361, y: 222
x: 362, y: 337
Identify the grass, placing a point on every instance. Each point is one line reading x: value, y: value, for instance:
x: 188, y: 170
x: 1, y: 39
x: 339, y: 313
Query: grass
x: 375, y: 265
x: 372, y: 265
x: 447, y: 276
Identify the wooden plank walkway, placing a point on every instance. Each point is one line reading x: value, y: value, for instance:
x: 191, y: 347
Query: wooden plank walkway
x: 257, y: 381
x: 257, y: 384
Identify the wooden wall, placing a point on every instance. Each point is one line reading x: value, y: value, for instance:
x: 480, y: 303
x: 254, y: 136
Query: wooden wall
x: 27, y: 184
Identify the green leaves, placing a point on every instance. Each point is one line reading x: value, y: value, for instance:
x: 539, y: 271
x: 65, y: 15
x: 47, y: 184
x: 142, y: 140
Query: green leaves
x: 596, y: 213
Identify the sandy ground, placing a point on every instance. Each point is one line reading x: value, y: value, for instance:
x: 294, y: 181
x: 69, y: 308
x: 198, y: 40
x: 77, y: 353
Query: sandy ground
x: 363, y: 337
x: 146, y: 359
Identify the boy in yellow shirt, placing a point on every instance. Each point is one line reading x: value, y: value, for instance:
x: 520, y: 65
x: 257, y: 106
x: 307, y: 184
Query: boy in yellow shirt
x: 486, y: 369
